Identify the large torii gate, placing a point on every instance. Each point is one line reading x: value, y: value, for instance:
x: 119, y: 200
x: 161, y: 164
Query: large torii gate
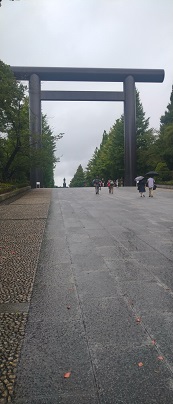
x: 128, y: 76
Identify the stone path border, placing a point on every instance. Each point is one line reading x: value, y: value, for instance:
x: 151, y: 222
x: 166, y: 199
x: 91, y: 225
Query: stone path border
x: 10, y: 194
x: 22, y: 224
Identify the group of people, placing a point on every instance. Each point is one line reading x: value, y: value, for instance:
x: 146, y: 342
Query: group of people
x: 150, y: 183
x: 100, y: 183
x: 142, y: 184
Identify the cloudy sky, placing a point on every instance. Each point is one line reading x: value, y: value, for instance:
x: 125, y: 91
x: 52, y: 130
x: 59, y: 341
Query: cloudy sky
x: 90, y: 33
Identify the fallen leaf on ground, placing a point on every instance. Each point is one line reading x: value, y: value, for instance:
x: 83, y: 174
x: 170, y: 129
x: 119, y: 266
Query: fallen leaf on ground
x: 130, y: 302
x: 66, y: 375
x: 140, y: 364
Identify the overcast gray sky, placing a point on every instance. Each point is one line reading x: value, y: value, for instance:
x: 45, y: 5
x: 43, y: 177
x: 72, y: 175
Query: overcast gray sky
x: 90, y: 33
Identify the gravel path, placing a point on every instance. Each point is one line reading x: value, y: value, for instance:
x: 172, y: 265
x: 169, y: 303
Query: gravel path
x: 22, y: 224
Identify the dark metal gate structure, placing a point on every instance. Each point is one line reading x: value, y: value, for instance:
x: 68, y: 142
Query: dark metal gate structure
x: 128, y: 76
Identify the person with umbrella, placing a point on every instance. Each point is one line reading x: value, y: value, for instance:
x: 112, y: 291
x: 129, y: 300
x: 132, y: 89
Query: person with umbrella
x: 141, y: 186
x: 151, y: 182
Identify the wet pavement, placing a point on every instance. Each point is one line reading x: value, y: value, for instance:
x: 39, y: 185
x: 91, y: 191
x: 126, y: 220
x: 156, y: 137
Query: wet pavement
x: 101, y: 308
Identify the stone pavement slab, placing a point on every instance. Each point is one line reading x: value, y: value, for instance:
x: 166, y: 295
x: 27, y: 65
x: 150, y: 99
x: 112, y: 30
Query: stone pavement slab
x: 99, y: 302
x: 102, y: 301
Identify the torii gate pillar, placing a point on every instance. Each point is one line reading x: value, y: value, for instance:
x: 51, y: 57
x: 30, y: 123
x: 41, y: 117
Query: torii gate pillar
x: 35, y: 125
x: 129, y: 130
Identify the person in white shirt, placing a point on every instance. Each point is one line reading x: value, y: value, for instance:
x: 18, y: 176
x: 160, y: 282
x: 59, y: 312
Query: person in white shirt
x: 150, y: 182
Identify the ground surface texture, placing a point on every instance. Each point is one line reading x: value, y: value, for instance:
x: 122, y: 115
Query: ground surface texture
x: 87, y: 292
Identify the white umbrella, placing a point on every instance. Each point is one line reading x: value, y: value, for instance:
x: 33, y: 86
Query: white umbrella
x: 139, y: 178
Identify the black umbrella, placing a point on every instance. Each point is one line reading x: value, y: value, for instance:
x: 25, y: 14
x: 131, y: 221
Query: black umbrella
x: 152, y: 173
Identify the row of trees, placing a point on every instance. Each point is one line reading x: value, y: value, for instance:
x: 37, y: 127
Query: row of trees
x: 18, y: 153
x: 154, y: 150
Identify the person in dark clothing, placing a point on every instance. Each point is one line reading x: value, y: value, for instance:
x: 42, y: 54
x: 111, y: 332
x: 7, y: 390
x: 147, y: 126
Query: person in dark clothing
x: 97, y: 183
x: 141, y: 187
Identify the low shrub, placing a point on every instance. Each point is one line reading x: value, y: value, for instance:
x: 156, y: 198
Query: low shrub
x: 7, y: 187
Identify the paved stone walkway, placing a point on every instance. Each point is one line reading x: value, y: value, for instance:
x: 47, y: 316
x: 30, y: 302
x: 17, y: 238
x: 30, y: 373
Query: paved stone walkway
x: 102, y: 302
x: 22, y: 224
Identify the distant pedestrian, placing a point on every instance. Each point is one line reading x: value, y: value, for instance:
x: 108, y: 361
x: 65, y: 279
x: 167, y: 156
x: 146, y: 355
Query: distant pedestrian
x: 110, y: 186
x: 117, y: 182
x: 141, y: 187
x: 96, y: 183
x: 150, y: 183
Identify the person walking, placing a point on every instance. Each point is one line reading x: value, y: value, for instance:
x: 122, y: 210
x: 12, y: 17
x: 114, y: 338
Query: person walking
x: 141, y: 187
x: 96, y: 183
x: 111, y: 186
x: 150, y: 183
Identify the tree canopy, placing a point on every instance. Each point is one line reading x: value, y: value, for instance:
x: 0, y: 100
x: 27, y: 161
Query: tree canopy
x: 79, y: 178
x: 165, y: 140
x: 18, y: 155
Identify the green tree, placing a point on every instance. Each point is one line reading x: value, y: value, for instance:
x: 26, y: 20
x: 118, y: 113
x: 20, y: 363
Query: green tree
x: 79, y: 178
x: 91, y: 169
x: 163, y: 171
x: 145, y: 140
x: 45, y: 157
x: 97, y: 164
x: 48, y: 158
x: 108, y: 160
x: 114, y: 151
x: 12, y: 95
x: 167, y: 118
x: 17, y: 152
x: 165, y: 140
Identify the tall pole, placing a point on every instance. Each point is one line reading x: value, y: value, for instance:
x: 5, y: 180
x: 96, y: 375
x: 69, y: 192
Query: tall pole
x: 35, y: 125
x: 129, y: 130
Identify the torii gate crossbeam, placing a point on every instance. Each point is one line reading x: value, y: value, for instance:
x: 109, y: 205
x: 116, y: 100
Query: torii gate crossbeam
x: 128, y: 76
